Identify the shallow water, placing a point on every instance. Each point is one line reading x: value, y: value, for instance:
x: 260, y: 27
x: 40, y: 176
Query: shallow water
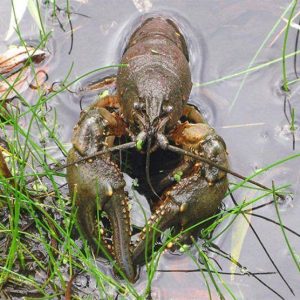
x: 248, y: 114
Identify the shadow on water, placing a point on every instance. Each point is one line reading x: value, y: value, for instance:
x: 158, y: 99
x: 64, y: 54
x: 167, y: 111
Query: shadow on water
x: 246, y: 256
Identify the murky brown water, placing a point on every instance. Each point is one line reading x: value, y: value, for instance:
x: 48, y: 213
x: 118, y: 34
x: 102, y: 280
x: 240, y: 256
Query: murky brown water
x: 223, y: 37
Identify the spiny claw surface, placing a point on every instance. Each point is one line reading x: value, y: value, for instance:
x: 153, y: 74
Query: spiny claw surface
x: 197, y: 189
x: 98, y: 185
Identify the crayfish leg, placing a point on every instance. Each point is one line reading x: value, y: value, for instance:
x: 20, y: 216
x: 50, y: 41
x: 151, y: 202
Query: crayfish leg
x: 192, y: 114
x: 110, y: 101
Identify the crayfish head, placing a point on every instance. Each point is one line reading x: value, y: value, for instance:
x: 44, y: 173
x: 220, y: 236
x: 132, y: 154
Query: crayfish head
x: 153, y: 94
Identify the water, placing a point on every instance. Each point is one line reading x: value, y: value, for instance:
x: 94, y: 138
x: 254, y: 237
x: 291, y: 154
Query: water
x: 222, y: 38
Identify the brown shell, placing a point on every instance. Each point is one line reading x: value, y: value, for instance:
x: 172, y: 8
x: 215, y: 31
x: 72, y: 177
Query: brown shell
x: 157, y: 72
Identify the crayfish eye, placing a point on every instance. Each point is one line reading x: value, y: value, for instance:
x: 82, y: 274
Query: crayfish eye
x: 167, y: 109
x: 139, y: 106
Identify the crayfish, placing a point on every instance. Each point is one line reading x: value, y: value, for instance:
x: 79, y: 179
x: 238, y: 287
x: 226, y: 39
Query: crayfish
x: 150, y: 109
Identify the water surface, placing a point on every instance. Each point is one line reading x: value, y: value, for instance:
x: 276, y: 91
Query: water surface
x: 223, y: 37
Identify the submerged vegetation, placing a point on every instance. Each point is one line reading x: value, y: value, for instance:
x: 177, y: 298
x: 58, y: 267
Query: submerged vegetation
x: 42, y: 254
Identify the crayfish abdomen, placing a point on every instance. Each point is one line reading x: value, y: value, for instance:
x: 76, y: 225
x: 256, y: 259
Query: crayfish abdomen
x: 150, y: 109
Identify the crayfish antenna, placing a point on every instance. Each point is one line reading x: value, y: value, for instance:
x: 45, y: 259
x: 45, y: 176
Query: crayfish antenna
x: 211, y: 163
x: 149, y: 140
x: 125, y: 146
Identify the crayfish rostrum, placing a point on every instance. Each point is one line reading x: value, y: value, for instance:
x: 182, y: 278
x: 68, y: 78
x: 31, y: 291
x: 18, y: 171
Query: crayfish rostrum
x: 150, y: 109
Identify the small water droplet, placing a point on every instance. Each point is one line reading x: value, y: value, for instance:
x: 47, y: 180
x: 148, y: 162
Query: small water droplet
x: 81, y: 281
x: 284, y: 132
x: 286, y: 202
